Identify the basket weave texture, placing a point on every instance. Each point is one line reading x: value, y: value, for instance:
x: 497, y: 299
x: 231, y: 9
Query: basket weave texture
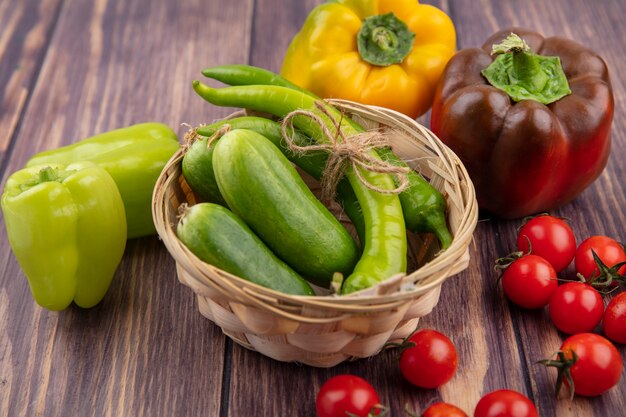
x: 325, y: 330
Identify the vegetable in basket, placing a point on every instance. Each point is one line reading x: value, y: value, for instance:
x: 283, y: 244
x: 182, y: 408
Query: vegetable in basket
x: 67, y: 228
x: 385, y: 246
x: 265, y: 191
x: 197, y: 168
x: 202, y: 180
x: 388, y: 53
x: 134, y: 156
x: 528, y: 144
x: 424, y: 207
x: 197, y: 164
x: 217, y: 236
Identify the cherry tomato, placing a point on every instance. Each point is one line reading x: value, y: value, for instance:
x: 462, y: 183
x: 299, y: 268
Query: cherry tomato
x: 551, y: 238
x: 610, y: 252
x: 529, y: 281
x: 344, y: 394
x: 576, y: 307
x: 614, y: 321
x: 598, y: 366
x: 505, y: 403
x: 443, y: 410
x: 431, y: 361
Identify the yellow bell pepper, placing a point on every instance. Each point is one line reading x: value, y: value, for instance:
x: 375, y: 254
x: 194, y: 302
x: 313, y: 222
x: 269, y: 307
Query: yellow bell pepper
x: 388, y: 53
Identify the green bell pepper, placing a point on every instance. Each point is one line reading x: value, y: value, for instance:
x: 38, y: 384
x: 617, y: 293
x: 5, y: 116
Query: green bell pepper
x: 134, y: 156
x: 67, y: 228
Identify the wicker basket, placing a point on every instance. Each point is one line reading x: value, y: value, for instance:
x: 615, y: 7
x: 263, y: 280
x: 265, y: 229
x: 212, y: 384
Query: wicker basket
x: 325, y: 330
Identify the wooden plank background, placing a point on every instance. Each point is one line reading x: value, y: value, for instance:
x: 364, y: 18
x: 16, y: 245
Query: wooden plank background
x: 73, y: 68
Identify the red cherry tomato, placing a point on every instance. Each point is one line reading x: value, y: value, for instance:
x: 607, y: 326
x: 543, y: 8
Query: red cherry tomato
x: 431, y: 362
x: 576, y: 307
x: 551, y: 238
x: 443, y: 410
x: 505, y: 403
x: 596, y: 369
x: 344, y: 394
x: 614, y: 321
x: 529, y: 281
x: 610, y: 252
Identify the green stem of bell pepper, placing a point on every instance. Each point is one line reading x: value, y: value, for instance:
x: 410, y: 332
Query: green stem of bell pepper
x: 384, y: 40
x: 67, y: 229
x: 385, y: 244
x: 134, y: 156
x: 525, y: 75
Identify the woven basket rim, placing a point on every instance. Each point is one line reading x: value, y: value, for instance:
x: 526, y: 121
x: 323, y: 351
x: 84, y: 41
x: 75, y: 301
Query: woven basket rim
x: 454, y: 259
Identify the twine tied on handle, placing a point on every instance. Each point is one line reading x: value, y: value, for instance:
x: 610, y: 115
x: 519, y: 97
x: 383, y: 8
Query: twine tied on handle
x: 192, y: 135
x: 355, y: 151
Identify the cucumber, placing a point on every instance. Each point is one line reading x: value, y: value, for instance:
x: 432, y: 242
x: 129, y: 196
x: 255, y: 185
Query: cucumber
x: 197, y: 163
x: 198, y: 172
x: 262, y: 187
x: 217, y: 236
x: 312, y: 163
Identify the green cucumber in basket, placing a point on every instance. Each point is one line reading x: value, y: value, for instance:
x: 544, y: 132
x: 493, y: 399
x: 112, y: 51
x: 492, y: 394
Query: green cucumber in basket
x: 197, y: 162
x: 197, y: 169
x: 311, y: 163
x: 262, y: 187
x: 217, y: 236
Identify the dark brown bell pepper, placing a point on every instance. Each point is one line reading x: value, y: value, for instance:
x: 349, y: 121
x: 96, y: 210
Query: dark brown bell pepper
x: 523, y: 156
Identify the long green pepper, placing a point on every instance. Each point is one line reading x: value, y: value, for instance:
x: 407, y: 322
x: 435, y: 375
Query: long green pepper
x: 249, y: 75
x: 385, y: 245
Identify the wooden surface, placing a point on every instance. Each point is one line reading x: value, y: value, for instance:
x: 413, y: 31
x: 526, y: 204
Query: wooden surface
x: 73, y: 68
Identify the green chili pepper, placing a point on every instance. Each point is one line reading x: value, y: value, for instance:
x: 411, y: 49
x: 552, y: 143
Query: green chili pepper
x: 67, y: 228
x: 423, y: 205
x: 312, y: 163
x: 249, y: 75
x: 134, y: 156
x: 385, y: 245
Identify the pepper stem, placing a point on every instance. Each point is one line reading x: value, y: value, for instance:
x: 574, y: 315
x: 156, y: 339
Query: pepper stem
x: 45, y: 174
x: 525, y: 75
x: 526, y: 67
x: 48, y: 174
x: 512, y: 43
x: 384, y: 40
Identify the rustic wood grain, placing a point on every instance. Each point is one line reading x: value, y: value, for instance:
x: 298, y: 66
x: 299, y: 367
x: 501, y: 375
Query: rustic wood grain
x: 25, y: 31
x: 87, y: 67
x: 145, y: 350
